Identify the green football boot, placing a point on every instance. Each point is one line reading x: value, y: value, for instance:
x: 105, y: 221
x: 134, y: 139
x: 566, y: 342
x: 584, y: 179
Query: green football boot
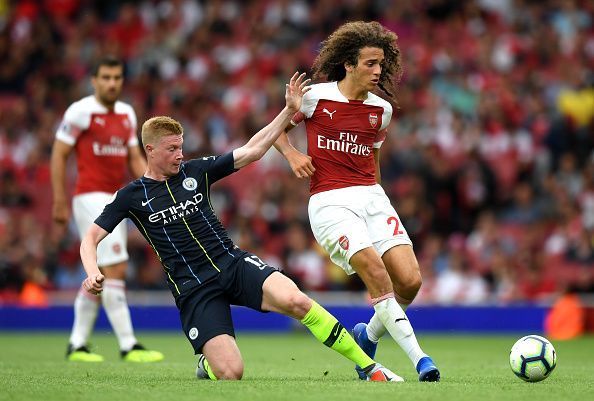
x: 82, y: 354
x: 140, y: 354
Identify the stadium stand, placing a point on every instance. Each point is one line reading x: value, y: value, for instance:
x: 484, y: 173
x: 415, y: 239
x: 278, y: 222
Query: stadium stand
x: 490, y: 160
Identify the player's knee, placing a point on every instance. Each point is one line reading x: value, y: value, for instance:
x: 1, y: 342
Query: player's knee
x: 298, y: 304
x: 410, y: 287
x: 415, y: 282
x: 229, y: 371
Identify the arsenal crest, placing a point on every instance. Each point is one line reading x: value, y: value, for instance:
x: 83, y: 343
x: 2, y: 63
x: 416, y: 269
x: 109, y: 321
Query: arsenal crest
x: 344, y: 242
x: 373, y: 119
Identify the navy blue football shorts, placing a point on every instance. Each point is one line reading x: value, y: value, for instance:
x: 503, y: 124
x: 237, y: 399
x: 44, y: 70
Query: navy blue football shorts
x: 206, y: 312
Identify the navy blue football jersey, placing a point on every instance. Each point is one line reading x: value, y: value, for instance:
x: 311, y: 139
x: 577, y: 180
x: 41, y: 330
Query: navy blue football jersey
x: 178, y: 221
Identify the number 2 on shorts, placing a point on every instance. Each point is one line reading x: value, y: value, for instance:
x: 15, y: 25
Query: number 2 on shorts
x: 397, y: 225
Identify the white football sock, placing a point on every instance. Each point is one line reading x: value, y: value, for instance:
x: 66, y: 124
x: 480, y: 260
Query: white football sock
x: 116, y: 308
x: 375, y: 327
x: 86, y: 307
x: 397, y: 324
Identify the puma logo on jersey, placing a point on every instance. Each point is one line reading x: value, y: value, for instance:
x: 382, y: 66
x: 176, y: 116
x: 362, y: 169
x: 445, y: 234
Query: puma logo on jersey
x: 148, y: 201
x: 328, y: 112
x: 100, y: 121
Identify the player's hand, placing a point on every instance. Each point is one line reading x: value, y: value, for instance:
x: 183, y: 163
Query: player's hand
x: 300, y: 164
x: 295, y: 90
x: 60, y: 213
x: 94, y: 283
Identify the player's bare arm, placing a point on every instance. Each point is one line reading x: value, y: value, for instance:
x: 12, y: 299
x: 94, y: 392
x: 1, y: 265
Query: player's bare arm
x: 60, y: 153
x: 259, y: 144
x: 136, y: 161
x: 300, y: 163
x: 88, y: 254
x: 378, y: 173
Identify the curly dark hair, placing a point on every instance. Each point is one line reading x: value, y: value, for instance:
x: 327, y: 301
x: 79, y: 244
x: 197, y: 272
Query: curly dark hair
x: 343, y: 46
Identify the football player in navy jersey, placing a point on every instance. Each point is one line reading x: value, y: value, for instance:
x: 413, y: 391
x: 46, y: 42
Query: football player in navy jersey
x: 205, y: 271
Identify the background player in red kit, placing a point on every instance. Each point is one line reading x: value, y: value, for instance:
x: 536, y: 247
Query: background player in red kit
x: 350, y: 215
x: 101, y: 130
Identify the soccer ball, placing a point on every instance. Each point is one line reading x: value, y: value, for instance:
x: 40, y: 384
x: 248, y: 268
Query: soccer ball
x: 532, y: 358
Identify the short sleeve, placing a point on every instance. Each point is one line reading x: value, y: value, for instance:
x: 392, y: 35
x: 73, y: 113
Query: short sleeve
x: 216, y: 167
x: 380, y: 137
x: 386, y: 117
x: 133, y: 138
x: 75, y: 121
x: 297, y: 118
x: 309, y: 102
x: 114, y: 212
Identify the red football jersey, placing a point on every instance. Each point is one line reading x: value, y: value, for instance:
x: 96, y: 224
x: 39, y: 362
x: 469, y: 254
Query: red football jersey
x: 341, y: 135
x: 101, y: 138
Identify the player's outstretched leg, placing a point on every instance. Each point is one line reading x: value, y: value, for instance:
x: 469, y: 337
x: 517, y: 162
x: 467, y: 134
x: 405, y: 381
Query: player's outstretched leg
x: 332, y: 334
x: 368, y: 346
x: 280, y: 294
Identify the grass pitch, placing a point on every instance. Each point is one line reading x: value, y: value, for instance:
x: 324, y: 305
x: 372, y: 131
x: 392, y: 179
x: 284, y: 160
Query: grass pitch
x: 284, y: 367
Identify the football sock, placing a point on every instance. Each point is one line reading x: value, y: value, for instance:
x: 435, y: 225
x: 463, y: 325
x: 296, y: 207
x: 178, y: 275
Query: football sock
x: 86, y: 307
x: 375, y: 327
x: 332, y: 334
x: 116, y: 308
x: 397, y: 324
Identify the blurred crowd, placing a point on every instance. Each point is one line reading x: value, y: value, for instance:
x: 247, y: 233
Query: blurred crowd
x: 489, y: 160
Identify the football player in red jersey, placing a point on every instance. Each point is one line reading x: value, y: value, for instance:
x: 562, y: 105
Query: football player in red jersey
x: 349, y: 212
x: 101, y: 131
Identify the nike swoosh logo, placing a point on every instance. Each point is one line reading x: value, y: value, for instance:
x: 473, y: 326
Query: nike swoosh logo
x: 148, y: 201
x: 399, y: 319
x: 334, y: 334
x: 336, y: 331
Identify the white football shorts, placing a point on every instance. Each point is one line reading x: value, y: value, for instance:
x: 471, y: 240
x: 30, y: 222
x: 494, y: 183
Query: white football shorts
x: 346, y: 220
x: 85, y: 209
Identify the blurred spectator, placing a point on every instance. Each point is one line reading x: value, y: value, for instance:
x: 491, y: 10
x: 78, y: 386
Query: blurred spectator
x: 304, y: 264
x: 581, y: 250
x: 457, y: 283
x: 11, y: 193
